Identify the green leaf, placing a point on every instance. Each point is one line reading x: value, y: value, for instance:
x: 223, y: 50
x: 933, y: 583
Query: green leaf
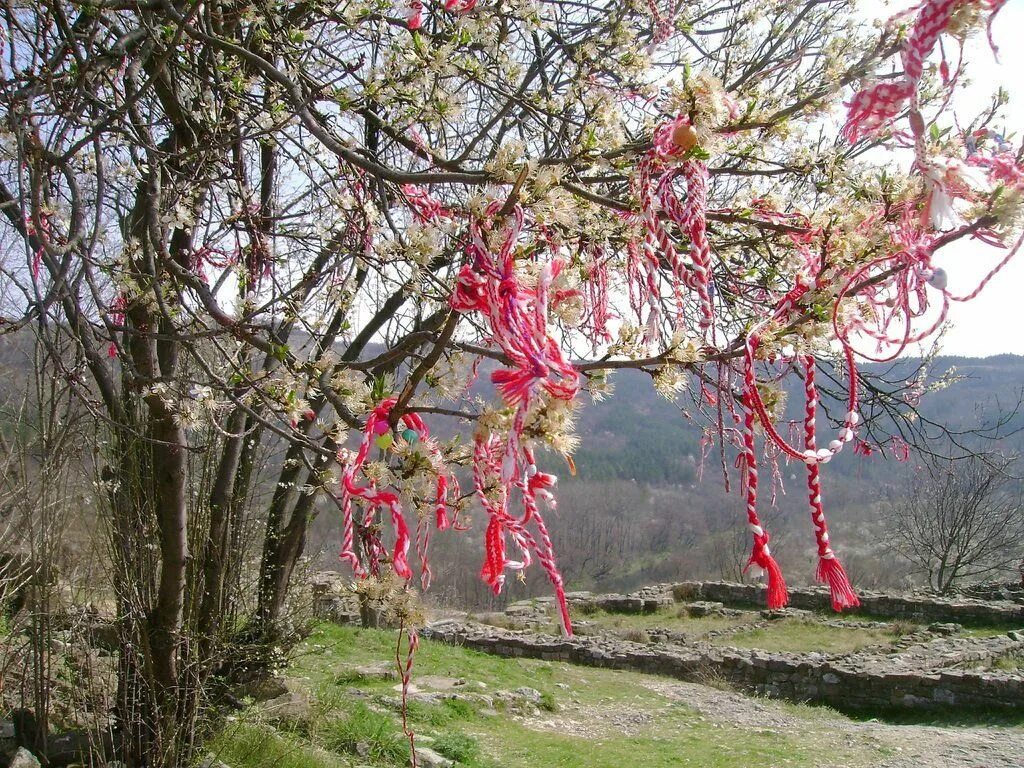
x: 698, y: 153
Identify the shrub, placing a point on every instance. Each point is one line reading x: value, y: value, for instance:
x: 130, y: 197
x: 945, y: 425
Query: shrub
x: 636, y: 636
x: 547, y: 702
x: 901, y: 628
x: 457, y: 746
x: 245, y: 745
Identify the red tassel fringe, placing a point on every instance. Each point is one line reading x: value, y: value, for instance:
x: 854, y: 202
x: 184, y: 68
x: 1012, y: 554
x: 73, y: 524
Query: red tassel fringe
x: 831, y: 572
x: 778, y: 595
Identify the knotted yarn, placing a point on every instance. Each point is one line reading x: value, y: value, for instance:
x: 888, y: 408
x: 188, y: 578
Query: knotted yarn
x: 377, y: 430
x: 656, y: 171
x: 414, y: 13
x: 829, y: 570
x: 875, y: 107
x: 495, y: 497
x: 760, y: 554
x: 664, y: 21
x: 517, y: 316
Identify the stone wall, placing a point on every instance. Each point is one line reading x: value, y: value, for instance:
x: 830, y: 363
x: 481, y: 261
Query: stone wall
x: 920, y: 608
x: 647, y: 600
x: 925, y: 609
x: 849, y: 683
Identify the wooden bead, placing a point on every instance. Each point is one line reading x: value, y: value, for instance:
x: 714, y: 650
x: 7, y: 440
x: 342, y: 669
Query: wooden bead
x: 684, y: 136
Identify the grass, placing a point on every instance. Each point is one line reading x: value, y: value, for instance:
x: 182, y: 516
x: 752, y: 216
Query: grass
x: 327, y: 657
x: 675, y: 619
x: 577, y: 725
x: 800, y: 636
x: 795, y: 635
x: 984, y: 631
x: 369, y: 734
x: 661, y: 748
x: 969, y: 628
x: 457, y: 746
x: 788, y: 634
x: 249, y: 745
x: 1010, y: 663
x: 586, y: 717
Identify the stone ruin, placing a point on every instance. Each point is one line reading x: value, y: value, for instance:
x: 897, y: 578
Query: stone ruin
x: 927, y: 669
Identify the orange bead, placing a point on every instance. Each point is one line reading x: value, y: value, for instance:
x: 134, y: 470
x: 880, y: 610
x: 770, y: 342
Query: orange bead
x: 684, y: 136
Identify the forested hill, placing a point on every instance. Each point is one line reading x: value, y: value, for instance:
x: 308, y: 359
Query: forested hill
x: 637, y: 435
x: 645, y: 506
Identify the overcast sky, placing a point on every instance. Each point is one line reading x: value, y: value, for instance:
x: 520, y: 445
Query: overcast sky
x: 993, y: 323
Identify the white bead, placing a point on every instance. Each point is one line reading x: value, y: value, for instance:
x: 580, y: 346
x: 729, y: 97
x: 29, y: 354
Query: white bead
x: 836, y: 445
x: 853, y: 417
x: 939, y: 279
x: 531, y: 470
x: 824, y: 454
x: 810, y: 457
x: 846, y: 435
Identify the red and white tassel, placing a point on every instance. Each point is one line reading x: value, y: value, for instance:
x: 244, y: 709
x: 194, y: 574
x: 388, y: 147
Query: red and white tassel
x: 829, y: 570
x: 760, y: 555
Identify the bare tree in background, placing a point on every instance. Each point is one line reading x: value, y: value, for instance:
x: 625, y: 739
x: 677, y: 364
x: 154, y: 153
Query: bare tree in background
x: 960, y: 520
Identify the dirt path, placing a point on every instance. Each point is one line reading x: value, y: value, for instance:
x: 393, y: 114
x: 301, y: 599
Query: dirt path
x: 911, y: 746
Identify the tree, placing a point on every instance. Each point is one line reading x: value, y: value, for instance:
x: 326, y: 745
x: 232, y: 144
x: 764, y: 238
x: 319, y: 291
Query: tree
x: 268, y: 225
x: 960, y: 520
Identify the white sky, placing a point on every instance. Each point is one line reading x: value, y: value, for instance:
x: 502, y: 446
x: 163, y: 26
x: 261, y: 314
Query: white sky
x: 990, y: 324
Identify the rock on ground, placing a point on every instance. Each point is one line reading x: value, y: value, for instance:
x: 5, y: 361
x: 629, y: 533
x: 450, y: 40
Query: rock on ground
x: 24, y: 759
x: 428, y: 758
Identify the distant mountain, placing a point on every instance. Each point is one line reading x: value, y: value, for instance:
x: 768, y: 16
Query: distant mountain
x: 637, y: 435
x: 648, y: 505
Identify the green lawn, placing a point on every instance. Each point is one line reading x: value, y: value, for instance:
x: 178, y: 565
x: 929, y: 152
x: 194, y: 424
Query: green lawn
x: 674, y: 619
x: 800, y: 636
x: 579, y: 723
x: 795, y: 635
x: 792, y: 634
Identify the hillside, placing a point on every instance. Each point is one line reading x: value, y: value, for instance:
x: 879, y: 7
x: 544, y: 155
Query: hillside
x: 647, y: 506
x: 644, y: 506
